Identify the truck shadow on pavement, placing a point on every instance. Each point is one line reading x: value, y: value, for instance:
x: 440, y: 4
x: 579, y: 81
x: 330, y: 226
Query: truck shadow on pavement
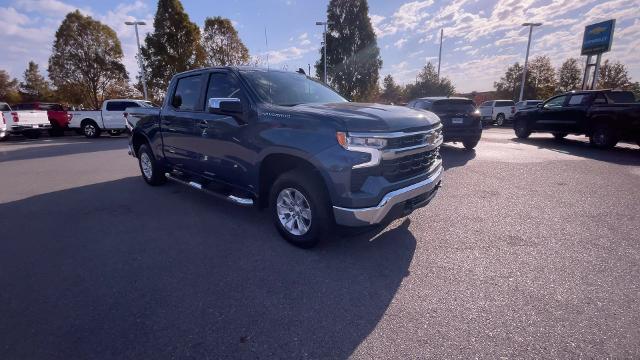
x: 617, y: 155
x: 453, y: 156
x: 123, y: 270
x: 11, y: 151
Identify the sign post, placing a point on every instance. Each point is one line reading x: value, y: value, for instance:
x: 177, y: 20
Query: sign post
x: 597, y: 40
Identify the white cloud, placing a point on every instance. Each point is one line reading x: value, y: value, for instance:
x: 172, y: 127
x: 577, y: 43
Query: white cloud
x: 400, y: 43
x: 286, y: 54
x: 50, y: 7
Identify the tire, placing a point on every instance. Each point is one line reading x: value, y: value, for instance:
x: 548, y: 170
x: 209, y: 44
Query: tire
x: 304, y: 231
x: 151, y: 171
x: 470, y: 143
x: 31, y: 134
x: 500, y: 120
x: 115, y: 132
x: 521, y: 129
x: 560, y: 136
x: 90, y: 129
x: 603, y: 137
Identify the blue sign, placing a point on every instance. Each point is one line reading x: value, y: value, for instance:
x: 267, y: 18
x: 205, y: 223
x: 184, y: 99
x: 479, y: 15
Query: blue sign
x: 598, y: 37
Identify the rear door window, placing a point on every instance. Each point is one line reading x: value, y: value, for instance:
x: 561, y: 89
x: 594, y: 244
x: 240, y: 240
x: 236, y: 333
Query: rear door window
x: 621, y: 97
x: 116, y: 105
x: 187, y: 94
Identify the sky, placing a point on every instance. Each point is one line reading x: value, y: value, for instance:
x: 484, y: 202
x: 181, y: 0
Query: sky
x: 481, y: 37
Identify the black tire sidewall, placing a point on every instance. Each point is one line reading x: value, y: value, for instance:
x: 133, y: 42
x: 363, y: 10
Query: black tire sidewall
x: 498, y: 121
x: 95, y: 134
x: 157, y: 177
x: 311, y: 190
x: 470, y: 143
x: 522, y: 134
x: 609, y: 141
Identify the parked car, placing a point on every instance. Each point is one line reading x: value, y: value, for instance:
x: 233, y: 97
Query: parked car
x: 459, y: 116
x: 527, y: 104
x: 605, y: 116
x: 58, y: 115
x: 497, y: 111
x: 29, y: 123
x: 109, y: 118
x: 283, y: 141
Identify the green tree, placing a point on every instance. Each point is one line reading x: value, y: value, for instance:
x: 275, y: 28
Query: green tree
x: 613, y: 76
x: 570, y: 75
x: 428, y: 84
x: 391, y: 92
x: 508, y: 87
x: 35, y: 86
x: 173, y: 47
x: 542, y: 77
x: 353, y: 56
x: 8, y: 88
x: 86, y: 61
x: 221, y: 43
x: 635, y: 87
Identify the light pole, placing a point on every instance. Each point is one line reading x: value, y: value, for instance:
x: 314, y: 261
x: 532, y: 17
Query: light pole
x: 325, y: 23
x: 144, y: 77
x: 440, y: 52
x: 526, y: 59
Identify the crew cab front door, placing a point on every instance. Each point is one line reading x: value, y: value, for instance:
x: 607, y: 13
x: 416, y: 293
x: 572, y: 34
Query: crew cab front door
x: 550, y: 116
x: 221, y: 150
x: 178, y: 121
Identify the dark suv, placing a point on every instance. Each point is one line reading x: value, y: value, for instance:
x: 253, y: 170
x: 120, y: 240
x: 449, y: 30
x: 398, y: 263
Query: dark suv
x: 286, y: 142
x: 460, y: 119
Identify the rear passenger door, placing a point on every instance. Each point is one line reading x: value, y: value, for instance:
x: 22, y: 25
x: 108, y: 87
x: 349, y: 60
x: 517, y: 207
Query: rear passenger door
x: 178, y: 119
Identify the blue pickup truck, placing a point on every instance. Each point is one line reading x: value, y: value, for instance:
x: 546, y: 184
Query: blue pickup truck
x: 283, y: 141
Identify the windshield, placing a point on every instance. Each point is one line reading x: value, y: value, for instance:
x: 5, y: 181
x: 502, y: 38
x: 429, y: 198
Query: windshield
x: 4, y: 107
x: 289, y: 89
x: 458, y: 106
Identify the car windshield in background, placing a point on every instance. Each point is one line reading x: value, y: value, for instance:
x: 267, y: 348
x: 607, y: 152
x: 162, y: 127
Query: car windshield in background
x: 289, y: 89
x: 458, y: 106
x: 53, y: 107
x: 621, y: 97
x: 5, y: 107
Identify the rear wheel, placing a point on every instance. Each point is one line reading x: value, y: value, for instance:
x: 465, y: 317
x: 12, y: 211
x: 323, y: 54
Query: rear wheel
x: 560, y: 136
x: 500, y: 120
x: 603, y: 137
x: 90, y: 129
x: 149, y: 167
x: 470, y: 143
x: 299, y: 208
x: 115, y: 132
x: 522, y: 129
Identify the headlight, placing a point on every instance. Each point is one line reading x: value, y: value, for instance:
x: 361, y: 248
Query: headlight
x: 477, y: 112
x: 347, y: 141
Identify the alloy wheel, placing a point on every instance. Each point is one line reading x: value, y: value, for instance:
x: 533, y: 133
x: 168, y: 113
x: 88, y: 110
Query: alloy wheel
x: 294, y: 211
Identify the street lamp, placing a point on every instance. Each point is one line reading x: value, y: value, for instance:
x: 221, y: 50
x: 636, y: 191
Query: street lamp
x: 526, y: 59
x: 144, y: 77
x: 325, y: 23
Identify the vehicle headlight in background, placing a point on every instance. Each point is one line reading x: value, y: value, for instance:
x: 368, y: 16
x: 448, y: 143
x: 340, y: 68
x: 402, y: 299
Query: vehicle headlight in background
x: 477, y: 112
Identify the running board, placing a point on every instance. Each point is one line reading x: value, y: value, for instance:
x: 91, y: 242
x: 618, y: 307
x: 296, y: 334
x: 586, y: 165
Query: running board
x: 231, y: 198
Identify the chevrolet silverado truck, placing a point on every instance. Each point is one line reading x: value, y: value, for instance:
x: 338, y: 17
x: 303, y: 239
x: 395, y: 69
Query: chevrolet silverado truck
x: 29, y: 123
x: 460, y: 119
x: 605, y: 116
x: 109, y: 118
x: 282, y: 141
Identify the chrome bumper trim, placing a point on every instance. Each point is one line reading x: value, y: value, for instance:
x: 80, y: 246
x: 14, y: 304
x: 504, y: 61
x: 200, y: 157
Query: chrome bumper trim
x: 374, y: 215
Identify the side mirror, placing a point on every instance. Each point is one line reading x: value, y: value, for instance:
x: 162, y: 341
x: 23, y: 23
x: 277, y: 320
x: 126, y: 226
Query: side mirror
x: 176, y: 102
x: 224, y: 105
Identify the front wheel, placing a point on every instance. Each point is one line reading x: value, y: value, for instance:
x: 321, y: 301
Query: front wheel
x: 299, y: 208
x: 603, y: 137
x: 500, y: 120
x: 522, y: 129
x: 470, y: 143
x: 151, y: 170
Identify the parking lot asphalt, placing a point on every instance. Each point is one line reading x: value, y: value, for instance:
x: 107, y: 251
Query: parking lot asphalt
x: 530, y: 249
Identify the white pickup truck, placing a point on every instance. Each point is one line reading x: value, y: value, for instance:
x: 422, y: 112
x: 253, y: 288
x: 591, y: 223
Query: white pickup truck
x: 109, y: 118
x: 29, y: 123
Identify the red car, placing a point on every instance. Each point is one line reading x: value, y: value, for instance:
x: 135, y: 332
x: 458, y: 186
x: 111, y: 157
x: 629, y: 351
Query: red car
x: 58, y: 115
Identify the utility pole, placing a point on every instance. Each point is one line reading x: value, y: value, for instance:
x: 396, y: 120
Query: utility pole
x: 144, y: 76
x: 526, y: 59
x: 440, y: 52
x: 325, y: 23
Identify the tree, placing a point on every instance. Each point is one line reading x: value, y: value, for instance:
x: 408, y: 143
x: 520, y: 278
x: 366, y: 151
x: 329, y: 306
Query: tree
x: 173, y: 47
x: 428, y: 84
x: 508, y: 87
x: 86, y: 60
x: 353, y: 56
x: 569, y: 75
x: 635, y: 88
x: 8, y: 88
x: 221, y: 43
x: 542, y: 76
x: 614, y: 76
x: 35, y: 86
x: 391, y: 92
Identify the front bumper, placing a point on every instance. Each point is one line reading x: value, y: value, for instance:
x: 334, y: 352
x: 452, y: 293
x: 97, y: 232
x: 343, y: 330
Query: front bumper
x: 422, y: 191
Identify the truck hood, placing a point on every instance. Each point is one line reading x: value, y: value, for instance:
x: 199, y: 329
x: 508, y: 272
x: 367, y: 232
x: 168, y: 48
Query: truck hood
x: 361, y: 117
